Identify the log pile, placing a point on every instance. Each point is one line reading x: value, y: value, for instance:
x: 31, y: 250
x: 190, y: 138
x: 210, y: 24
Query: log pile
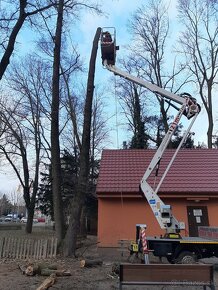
x: 36, y: 269
x: 44, y: 269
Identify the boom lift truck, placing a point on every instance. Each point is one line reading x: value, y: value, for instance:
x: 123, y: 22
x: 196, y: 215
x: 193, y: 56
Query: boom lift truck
x: 172, y: 246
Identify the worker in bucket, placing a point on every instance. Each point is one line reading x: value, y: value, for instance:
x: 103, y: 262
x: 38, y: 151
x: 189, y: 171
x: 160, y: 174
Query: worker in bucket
x: 106, y: 37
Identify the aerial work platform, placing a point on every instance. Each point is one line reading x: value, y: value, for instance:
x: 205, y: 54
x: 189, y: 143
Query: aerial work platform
x: 108, y: 45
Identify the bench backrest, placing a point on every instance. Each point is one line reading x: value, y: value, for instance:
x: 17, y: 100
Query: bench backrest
x: 166, y: 273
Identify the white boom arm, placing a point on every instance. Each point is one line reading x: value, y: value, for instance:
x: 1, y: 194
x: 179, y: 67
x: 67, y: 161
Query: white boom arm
x: 152, y: 87
x: 189, y: 108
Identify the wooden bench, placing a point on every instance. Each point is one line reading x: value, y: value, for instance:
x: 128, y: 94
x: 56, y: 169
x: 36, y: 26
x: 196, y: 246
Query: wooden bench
x: 167, y: 274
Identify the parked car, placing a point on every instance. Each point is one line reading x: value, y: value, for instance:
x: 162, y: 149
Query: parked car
x: 8, y: 219
x: 11, y: 218
x: 24, y: 220
x: 41, y: 220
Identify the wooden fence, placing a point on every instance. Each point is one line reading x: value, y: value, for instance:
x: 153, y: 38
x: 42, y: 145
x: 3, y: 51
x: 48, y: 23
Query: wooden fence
x: 23, y: 248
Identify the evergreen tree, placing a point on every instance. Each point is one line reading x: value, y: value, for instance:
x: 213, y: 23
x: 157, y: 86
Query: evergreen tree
x: 176, y: 138
x: 69, y: 172
x: 5, y: 205
x: 44, y: 198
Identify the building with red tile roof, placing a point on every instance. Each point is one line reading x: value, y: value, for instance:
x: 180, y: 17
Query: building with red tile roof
x: 191, y: 187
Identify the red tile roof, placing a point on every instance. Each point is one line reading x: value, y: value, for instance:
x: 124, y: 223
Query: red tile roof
x: 193, y: 171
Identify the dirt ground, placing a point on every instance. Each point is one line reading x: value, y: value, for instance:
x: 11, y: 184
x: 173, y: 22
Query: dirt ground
x: 99, y: 277
x: 81, y: 278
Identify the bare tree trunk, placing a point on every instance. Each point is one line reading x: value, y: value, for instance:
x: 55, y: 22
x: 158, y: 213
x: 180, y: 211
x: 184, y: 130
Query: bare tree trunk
x: 10, y: 48
x: 32, y: 196
x: 78, y: 200
x: 55, y: 146
x: 30, y: 215
x: 16, y: 29
x: 210, y: 118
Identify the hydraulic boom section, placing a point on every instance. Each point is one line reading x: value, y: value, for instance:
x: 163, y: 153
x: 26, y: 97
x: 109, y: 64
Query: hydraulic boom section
x: 189, y: 107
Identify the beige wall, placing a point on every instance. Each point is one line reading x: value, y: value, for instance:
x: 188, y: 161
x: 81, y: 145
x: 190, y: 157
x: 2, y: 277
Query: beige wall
x: 117, y: 217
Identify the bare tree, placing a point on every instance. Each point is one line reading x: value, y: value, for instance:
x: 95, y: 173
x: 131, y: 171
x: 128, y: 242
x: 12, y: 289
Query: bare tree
x: 17, y: 201
x: 12, y: 18
x: 63, y: 7
x: 79, y: 198
x: 133, y: 102
x: 21, y: 142
x: 149, y: 27
x: 55, y: 144
x: 199, y: 41
x: 99, y: 129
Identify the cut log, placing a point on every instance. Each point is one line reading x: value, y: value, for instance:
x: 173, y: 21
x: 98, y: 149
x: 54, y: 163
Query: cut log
x: 22, y: 268
x: 48, y: 266
x: 34, y: 269
x: 48, y: 282
x: 90, y: 263
x: 59, y: 273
